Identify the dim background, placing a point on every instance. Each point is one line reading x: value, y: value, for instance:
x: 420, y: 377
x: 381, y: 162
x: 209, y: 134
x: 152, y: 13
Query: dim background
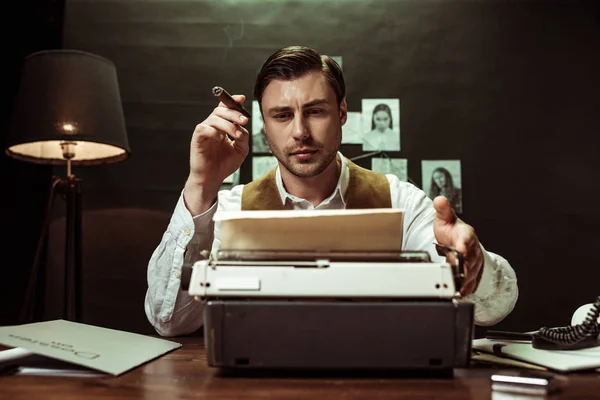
x: 510, y: 88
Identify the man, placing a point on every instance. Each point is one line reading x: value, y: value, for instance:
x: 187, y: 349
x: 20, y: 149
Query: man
x: 302, y: 99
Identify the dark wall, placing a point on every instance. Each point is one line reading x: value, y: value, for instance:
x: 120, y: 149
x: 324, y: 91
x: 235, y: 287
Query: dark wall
x: 507, y: 87
x: 34, y: 26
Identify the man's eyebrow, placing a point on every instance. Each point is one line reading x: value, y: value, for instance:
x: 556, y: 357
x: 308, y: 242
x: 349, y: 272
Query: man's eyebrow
x: 316, y: 102
x: 312, y: 103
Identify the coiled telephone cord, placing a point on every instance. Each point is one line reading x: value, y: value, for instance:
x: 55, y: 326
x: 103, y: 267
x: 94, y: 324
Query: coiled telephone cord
x: 583, y: 335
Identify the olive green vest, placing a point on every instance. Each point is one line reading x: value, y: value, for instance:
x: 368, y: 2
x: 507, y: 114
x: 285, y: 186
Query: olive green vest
x: 366, y: 189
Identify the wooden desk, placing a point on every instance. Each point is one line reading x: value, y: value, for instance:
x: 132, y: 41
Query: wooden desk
x: 183, y: 374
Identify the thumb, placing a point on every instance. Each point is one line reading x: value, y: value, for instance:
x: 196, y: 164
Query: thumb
x: 443, y: 211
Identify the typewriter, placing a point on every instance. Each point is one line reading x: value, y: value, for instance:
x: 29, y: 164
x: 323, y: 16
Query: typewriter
x: 324, y: 310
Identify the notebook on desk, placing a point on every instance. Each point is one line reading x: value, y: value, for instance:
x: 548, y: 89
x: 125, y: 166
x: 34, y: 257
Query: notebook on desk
x: 557, y: 360
x: 96, y: 348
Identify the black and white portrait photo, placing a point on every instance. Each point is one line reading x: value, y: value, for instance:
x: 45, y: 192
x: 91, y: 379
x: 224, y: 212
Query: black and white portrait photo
x: 352, y: 129
x: 338, y: 59
x: 393, y: 166
x: 443, y: 178
x: 259, y: 140
x: 232, y: 180
x: 261, y: 165
x: 381, y: 124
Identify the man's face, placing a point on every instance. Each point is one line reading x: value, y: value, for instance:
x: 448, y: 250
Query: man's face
x: 303, y: 123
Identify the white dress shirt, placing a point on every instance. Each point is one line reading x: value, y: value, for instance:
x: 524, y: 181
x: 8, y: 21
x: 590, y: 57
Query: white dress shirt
x: 173, y: 312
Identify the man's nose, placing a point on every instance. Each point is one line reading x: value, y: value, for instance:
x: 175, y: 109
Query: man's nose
x: 300, y: 128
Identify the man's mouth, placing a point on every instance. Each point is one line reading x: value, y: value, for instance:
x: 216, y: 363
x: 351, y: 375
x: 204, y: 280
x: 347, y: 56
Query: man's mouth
x: 303, y: 154
x: 303, y: 151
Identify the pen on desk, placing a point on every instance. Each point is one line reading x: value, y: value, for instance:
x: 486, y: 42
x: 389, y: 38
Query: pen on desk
x: 504, y: 335
x: 226, y: 98
x: 13, y: 354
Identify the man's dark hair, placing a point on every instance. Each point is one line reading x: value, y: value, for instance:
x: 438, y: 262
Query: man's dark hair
x: 292, y: 62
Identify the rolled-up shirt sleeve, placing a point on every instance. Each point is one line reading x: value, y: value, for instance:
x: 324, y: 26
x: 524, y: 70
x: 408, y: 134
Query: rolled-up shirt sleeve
x: 170, y: 310
x: 496, y: 295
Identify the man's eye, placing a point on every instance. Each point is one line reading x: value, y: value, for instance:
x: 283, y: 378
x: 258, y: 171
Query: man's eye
x: 315, y: 111
x: 281, y: 116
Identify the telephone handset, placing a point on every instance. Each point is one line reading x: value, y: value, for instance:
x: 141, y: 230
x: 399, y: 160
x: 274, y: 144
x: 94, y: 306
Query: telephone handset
x: 584, y: 333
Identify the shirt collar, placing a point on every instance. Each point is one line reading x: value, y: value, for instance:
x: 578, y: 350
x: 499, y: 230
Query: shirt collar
x: 339, y: 191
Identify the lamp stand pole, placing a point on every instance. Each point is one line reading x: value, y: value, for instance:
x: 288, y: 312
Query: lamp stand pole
x: 73, y: 281
x: 71, y: 190
x: 33, y: 303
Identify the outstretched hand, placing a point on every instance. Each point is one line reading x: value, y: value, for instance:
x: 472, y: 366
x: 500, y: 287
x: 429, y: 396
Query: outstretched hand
x: 451, y: 231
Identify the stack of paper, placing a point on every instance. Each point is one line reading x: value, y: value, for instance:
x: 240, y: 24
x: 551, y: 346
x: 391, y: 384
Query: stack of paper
x: 558, y: 360
x: 76, y: 349
x: 312, y: 230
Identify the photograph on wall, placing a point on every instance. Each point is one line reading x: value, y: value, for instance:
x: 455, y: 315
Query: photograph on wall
x: 352, y: 129
x: 443, y: 178
x: 393, y: 166
x: 232, y: 180
x: 381, y: 124
x: 261, y: 165
x: 338, y: 59
x: 259, y: 140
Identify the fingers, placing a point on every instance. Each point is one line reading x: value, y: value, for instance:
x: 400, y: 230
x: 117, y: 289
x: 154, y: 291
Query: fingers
x: 224, y: 131
x: 222, y: 122
x: 444, y: 211
x: 239, y: 98
x: 452, y: 231
x: 224, y: 111
x: 466, y: 240
x: 468, y: 244
x: 225, y: 126
x: 228, y: 114
x: 474, y: 266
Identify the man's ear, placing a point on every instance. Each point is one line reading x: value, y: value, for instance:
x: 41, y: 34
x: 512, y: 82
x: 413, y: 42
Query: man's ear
x: 343, y: 111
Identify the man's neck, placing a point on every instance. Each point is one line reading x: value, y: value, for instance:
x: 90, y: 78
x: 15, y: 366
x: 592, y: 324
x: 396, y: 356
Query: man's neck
x: 314, y: 189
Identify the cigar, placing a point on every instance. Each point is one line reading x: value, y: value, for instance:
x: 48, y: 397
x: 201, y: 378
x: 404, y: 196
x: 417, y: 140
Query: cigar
x: 226, y: 99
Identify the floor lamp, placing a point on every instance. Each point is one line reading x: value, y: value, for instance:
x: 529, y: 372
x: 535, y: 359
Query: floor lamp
x: 67, y: 112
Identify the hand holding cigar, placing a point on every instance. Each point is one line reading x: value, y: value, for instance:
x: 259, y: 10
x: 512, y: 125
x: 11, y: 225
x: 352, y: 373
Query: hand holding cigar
x: 226, y: 99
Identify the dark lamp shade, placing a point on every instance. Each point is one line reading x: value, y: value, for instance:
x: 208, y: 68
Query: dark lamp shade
x: 68, y: 96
